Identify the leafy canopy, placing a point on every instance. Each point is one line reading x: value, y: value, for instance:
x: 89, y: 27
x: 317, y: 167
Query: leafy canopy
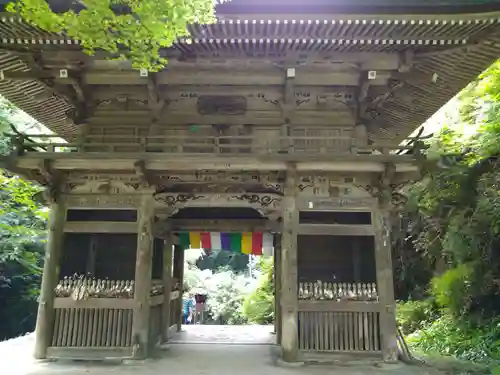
x: 135, y: 30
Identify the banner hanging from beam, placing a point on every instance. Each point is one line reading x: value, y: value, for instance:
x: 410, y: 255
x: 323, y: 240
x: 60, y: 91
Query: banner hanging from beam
x: 252, y: 243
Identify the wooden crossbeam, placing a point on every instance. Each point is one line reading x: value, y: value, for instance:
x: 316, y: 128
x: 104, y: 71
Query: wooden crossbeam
x: 208, y: 77
x: 157, y: 162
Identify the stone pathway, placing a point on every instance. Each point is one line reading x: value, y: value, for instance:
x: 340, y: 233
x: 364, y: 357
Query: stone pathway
x: 247, y: 334
x: 198, y: 352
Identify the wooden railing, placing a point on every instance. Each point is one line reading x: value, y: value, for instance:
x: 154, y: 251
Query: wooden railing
x: 338, y: 317
x: 342, y: 331
x: 92, y: 314
x: 208, y: 145
x: 89, y: 326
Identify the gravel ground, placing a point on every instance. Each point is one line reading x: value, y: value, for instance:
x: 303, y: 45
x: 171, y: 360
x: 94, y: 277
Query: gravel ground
x: 199, y: 350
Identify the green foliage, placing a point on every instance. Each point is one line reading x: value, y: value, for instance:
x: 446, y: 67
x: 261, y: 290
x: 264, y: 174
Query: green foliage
x: 129, y: 29
x: 225, y: 292
x: 451, y: 289
x: 218, y: 260
x: 258, y: 307
x: 415, y: 315
x: 462, y: 340
x: 22, y: 237
x: 450, y: 248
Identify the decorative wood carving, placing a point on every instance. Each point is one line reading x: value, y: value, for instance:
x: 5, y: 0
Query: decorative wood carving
x: 271, y: 181
x: 331, y: 185
x: 109, y: 186
x: 221, y: 105
x: 387, y: 190
x: 103, y: 201
x: 183, y: 200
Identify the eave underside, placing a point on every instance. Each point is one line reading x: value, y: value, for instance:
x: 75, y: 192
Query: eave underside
x: 421, y: 61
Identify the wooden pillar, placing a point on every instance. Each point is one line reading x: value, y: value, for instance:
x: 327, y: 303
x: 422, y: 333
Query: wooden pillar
x: 167, y: 285
x: 51, y: 267
x: 385, y: 285
x: 179, y: 274
x: 143, y: 267
x: 277, y: 288
x: 289, y: 289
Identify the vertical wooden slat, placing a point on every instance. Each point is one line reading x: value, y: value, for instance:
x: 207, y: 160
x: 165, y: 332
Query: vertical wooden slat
x: 114, y: 328
x: 366, y: 335
x: 129, y: 327
x: 85, y: 330
x: 317, y: 330
x: 331, y: 324
x: 74, y: 327
x: 376, y: 331
x: 57, y: 325
x: 100, y: 326
x: 327, y: 331
x: 119, y: 325
x: 340, y: 317
x: 66, y: 332
x: 360, y: 331
x: 109, y: 327
x: 92, y: 327
x: 355, y: 331
x: 350, y: 330
x: 62, y: 327
x: 81, y: 319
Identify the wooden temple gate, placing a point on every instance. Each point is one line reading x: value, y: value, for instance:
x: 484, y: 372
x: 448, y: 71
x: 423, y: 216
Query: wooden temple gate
x: 269, y: 122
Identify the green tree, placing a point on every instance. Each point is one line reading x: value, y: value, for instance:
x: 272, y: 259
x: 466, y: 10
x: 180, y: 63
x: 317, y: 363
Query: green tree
x: 258, y: 306
x: 450, y: 250
x: 22, y: 236
x: 129, y: 29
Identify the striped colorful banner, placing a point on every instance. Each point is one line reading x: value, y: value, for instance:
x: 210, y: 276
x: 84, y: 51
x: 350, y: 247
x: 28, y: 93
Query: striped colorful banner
x: 244, y: 243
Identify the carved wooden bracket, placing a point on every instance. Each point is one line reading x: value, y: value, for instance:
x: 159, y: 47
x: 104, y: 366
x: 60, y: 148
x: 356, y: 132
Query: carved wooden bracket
x: 267, y: 202
x: 53, y: 180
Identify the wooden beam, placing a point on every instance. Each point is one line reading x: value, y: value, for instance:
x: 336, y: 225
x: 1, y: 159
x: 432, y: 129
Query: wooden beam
x: 340, y: 306
x: 336, y: 230
x: 365, y: 60
x: 139, y: 92
x: 197, y: 225
x: 314, y: 203
x: 100, y: 227
x: 94, y: 303
x: 79, y: 353
x: 264, y: 117
x: 159, y: 162
x: 208, y: 77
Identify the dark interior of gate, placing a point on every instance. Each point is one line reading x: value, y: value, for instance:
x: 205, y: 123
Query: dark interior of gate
x: 277, y: 119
